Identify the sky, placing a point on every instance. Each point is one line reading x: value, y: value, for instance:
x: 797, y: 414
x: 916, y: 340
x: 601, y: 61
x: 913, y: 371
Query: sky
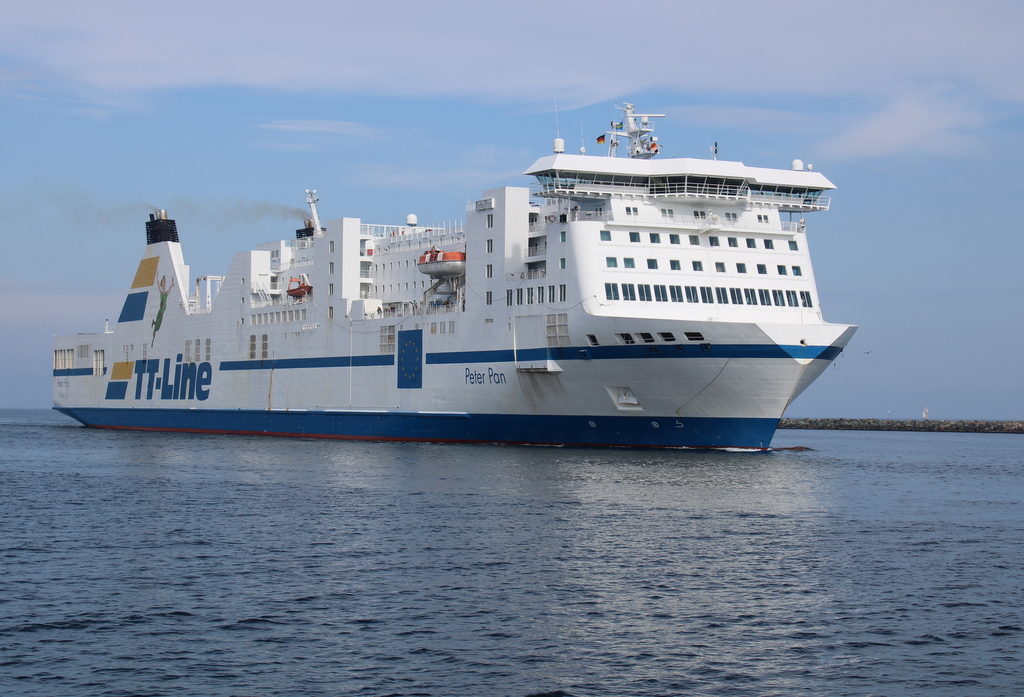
x: 225, y: 112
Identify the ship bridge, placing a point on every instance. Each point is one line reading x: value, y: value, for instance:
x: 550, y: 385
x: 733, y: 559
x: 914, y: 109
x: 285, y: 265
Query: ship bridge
x: 679, y: 179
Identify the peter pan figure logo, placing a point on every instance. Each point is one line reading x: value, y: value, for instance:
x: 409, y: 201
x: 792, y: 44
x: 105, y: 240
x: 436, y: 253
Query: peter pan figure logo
x: 164, y: 292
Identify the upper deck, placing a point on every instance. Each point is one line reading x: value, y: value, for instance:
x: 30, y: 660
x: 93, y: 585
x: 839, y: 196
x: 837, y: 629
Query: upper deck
x: 682, y: 179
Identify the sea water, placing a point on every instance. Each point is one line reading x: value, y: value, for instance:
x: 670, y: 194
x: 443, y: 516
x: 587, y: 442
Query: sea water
x: 173, y: 564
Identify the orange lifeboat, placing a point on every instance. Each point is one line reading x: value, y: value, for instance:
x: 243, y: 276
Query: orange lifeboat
x: 439, y: 264
x: 298, y: 288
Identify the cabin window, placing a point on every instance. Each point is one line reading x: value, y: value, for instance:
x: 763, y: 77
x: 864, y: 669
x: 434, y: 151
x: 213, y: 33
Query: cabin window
x: 660, y: 294
x: 733, y: 242
x: 713, y: 241
x: 677, y: 293
x: 561, y: 263
x: 722, y: 295
x: 593, y: 340
x: 488, y: 298
x: 628, y: 263
x: 694, y: 240
x: 508, y: 297
x: 606, y: 235
x: 540, y: 294
x: 805, y: 299
x: 652, y: 263
x: 691, y: 294
x: 561, y: 292
x: 647, y: 337
x: 762, y: 269
x: 768, y: 244
x: 751, y: 243
x: 628, y: 291
x: 791, y: 298
x: 750, y: 296
x: 330, y: 289
x: 490, y: 222
x: 720, y: 267
x: 797, y: 271
x: 529, y: 296
x: 706, y: 296
x: 741, y: 268
x: 330, y: 246
x: 490, y: 246
x: 730, y: 218
x: 626, y: 338
x: 611, y: 291
x: 519, y: 296
x: 644, y: 291
x: 782, y: 269
x: 490, y: 270
x: 98, y: 364
x: 736, y: 295
x: 655, y: 238
x: 330, y: 312
x: 667, y: 336
x: 611, y: 262
x: 561, y: 236
x: 778, y: 298
x: 792, y: 246
x: 698, y: 266
x: 673, y: 239
x: 764, y: 297
x: 634, y: 237
x: 674, y: 265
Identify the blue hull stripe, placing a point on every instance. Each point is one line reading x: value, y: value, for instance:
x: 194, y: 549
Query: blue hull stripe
x: 68, y: 372
x: 546, y: 429
x: 560, y: 353
x: 323, y: 362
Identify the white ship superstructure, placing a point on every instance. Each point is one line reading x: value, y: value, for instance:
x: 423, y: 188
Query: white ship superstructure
x: 636, y: 301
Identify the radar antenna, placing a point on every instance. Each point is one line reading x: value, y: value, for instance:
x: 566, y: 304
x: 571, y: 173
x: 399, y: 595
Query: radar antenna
x: 636, y: 127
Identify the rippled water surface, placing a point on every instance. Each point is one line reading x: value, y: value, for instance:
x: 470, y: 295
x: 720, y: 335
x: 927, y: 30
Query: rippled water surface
x: 154, y: 564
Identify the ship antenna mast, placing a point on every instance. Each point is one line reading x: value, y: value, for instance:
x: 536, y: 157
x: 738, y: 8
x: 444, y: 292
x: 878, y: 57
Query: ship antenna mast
x: 636, y: 127
x: 311, y: 199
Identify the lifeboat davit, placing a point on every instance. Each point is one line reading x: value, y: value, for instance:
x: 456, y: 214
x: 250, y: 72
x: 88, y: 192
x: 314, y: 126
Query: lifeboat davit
x: 298, y: 288
x: 438, y: 264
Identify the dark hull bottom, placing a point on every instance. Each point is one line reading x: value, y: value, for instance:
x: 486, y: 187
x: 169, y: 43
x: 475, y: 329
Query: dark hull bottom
x: 585, y: 431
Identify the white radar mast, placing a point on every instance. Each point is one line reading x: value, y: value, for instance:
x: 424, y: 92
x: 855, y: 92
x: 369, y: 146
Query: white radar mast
x: 637, y: 128
x: 311, y: 199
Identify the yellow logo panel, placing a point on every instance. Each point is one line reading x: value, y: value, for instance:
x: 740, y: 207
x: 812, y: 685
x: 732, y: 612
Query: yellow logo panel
x: 146, y: 275
x: 122, y: 371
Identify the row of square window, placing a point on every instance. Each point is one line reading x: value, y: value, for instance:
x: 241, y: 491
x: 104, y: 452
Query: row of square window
x: 529, y: 294
x: 655, y: 238
x: 707, y: 294
x: 674, y: 265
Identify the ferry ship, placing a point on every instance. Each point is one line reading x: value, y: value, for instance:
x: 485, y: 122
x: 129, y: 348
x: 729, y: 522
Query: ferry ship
x: 624, y: 299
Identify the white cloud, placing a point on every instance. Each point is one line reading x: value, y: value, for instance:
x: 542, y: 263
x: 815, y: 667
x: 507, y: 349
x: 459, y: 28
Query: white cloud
x: 523, y: 51
x: 348, y: 128
x: 912, y: 123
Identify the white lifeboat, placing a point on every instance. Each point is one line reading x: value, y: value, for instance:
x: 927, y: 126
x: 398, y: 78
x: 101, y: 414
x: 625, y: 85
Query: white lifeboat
x: 439, y: 264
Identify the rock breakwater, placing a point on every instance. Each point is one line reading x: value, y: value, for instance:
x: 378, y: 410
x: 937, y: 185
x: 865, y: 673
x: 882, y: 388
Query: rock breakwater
x: 911, y: 425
